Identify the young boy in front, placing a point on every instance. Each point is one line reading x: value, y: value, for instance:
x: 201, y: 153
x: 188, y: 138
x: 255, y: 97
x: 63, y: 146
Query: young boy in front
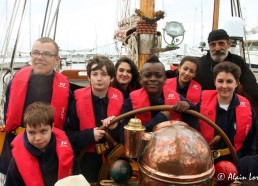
x: 42, y: 153
x: 94, y: 106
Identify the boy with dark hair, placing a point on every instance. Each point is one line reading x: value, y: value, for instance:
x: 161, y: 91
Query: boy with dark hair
x: 37, y: 82
x: 42, y: 154
x: 153, y: 93
x: 93, y: 107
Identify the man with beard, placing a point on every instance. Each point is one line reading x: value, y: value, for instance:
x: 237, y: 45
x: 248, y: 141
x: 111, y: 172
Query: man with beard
x: 219, y: 45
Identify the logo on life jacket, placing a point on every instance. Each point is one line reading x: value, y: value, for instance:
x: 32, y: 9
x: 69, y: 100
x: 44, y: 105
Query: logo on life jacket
x: 114, y: 96
x: 171, y: 96
x: 64, y: 144
x: 195, y: 86
x: 242, y: 104
x: 62, y: 85
x: 62, y: 113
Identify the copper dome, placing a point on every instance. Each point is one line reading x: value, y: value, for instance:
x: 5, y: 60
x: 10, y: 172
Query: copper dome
x: 175, y: 154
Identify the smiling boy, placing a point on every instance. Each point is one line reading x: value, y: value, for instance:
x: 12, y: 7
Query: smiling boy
x: 153, y: 93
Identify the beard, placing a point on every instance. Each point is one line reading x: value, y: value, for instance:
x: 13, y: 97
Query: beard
x: 219, y: 56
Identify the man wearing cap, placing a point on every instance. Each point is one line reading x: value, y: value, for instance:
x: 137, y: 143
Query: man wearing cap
x: 219, y: 45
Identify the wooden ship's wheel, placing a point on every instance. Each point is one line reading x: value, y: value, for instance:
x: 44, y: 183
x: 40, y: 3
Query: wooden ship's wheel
x: 119, y: 149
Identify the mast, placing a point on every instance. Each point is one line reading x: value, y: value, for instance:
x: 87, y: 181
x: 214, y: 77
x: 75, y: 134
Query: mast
x: 147, y: 8
x: 30, y: 24
x: 215, y: 24
x: 201, y: 21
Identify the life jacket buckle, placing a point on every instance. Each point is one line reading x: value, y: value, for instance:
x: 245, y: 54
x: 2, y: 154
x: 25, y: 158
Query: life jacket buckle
x: 101, y: 147
x: 18, y: 130
x: 220, y: 152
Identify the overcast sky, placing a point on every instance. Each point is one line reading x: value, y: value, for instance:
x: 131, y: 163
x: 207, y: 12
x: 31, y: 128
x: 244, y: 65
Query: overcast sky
x: 85, y: 24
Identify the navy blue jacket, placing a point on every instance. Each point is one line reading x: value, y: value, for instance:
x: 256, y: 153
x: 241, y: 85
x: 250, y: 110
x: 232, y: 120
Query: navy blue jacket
x: 226, y: 121
x: 35, y: 93
x: 248, y: 166
x: 90, y: 163
x: 157, y: 116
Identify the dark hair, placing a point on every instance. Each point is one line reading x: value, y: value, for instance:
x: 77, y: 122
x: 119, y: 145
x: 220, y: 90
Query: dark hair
x: 49, y: 40
x: 153, y: 59
x: 189, y: 58
x: 101, y: 61
x: 227, y: 67
x: 135, y: 82
x: 38, y: 113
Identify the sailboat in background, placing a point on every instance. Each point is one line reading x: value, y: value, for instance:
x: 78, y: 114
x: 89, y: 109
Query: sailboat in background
x: 13, y: 60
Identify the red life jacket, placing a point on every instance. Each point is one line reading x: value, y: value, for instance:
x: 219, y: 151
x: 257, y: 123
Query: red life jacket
x: 18, y: 93
x: 140, y: 99
x: 172, y: 67
x: 28, y: 165
x: 243, y: 117
x: 85, y: 110
x: 193, y: 92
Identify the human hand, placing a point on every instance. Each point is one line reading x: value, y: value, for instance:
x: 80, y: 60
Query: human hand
x: 181, y: 106
x: 106, y: 122
x: 98, y: 134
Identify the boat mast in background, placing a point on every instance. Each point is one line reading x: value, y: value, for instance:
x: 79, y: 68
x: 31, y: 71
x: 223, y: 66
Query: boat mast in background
x: 215, y: 23
x: 45, y: 17
x: 147, y: 8
x: 139, y: 35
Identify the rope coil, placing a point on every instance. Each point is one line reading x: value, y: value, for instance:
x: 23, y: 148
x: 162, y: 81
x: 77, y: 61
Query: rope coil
x: 159, y: 15
x: 144, y: 27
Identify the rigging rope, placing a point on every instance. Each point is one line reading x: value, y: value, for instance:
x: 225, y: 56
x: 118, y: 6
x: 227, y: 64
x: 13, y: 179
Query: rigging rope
x: 126, y: 33
x: 18, y: 35
x: 48, y: 19
x: 54, y: 18
x: 5, y: 50
x: 10, y: 28
x: 9, y: 73
x: 131, y: 26
x: 159, y: 15
x: 45, y: 17
x: 6, y: 44
x: 133, y: 48
x: 5, y: 81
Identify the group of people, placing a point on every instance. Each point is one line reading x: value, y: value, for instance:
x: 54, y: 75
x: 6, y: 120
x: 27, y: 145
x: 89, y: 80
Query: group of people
x: 52, y: 132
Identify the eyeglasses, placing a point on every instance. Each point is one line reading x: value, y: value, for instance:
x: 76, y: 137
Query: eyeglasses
x: 43, y: 54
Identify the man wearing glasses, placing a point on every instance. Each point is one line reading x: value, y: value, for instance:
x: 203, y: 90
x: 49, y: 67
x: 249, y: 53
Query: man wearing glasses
x: 38, y: 82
